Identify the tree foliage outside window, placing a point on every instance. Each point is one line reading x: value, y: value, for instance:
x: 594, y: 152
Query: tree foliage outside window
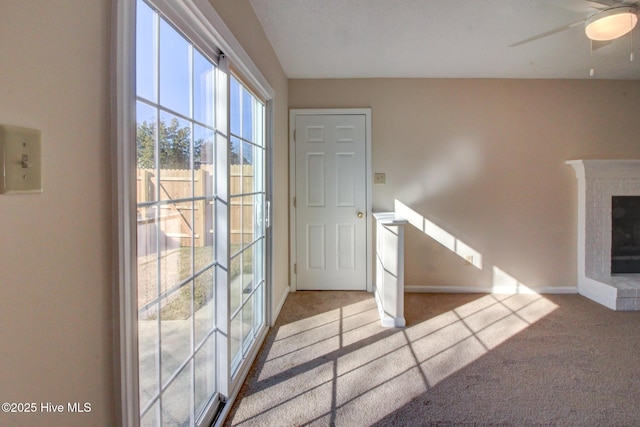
x: 234, y: 156
x: 174, y: 145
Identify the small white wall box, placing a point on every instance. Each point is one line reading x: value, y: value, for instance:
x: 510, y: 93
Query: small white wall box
x: 20, y: 160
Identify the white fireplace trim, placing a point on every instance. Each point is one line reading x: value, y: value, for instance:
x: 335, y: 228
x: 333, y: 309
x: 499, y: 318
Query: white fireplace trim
x: 598, y: 182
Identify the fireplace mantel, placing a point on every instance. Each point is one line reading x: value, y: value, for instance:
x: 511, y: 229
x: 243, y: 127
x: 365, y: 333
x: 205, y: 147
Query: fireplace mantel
x: 598, y: 182
x: 606, y: 169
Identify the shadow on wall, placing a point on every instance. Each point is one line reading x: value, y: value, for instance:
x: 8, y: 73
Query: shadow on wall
x: 500, y: 281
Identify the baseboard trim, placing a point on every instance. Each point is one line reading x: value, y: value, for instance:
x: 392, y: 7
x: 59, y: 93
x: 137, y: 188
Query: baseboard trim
x: 278, y: 308
x: 494, y: 290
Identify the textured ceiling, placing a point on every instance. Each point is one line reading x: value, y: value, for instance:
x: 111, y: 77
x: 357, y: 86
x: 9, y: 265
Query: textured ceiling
x: 441, y: 38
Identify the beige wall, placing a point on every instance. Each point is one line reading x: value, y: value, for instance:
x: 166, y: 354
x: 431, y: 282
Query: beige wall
x: 240, y: 18
x: 484, y: 160
x: 57, y: 288
x: 56, y: 335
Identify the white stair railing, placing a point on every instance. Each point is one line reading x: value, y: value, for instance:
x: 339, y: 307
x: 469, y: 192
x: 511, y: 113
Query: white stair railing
x: 389, y: 284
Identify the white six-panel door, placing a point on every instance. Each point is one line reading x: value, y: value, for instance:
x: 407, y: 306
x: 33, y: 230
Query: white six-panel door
x: 330, y: 202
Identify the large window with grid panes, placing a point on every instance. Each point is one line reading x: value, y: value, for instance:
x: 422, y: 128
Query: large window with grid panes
x: 200, y: 151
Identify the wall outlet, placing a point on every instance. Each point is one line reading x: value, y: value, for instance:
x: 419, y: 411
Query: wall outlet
x: 379, y: 178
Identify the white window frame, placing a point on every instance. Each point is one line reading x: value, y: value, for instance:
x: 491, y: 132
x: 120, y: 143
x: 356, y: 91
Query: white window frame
x: 201, y: 24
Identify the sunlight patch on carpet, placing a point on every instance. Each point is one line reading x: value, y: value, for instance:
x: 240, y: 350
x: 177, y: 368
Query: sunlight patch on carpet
x: 343, y: 367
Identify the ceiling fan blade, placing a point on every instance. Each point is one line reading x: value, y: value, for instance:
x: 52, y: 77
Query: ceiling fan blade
x: 548, y: 33
x: 580, y: 6
x: 608, y: 4
x: 603, y: 4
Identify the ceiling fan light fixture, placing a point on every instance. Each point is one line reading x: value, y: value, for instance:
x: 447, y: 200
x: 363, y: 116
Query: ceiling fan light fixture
x: 611, y: 23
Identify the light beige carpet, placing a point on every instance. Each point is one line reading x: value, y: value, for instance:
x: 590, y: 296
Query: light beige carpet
x: 462, y: 360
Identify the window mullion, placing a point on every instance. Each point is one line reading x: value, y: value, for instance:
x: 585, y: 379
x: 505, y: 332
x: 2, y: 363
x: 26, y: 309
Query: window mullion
x: 222, y: 207
x: 192, y: 329
x: 157, y: 215
x: 156, y: 164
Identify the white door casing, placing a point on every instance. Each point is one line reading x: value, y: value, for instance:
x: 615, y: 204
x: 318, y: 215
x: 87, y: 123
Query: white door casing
x: 331, y: 200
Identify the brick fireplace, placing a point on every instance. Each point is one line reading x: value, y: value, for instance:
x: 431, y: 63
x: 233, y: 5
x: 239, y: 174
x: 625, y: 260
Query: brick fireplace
x: 599, y: 181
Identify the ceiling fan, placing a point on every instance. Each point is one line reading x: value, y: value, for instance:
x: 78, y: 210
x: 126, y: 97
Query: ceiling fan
x: 606, y: 20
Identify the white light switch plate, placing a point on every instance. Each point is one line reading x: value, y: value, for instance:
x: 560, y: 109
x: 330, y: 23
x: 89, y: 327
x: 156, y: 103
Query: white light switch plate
x: 20, y: 159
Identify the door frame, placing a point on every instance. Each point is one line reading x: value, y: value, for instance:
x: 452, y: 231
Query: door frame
x: 293, y: 113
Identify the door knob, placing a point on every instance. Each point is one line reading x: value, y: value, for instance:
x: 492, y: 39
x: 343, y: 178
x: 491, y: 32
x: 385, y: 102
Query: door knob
x: 360, y: 214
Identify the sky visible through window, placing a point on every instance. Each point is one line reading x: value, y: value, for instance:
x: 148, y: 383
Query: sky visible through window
x: 176, y: 76
x: 165, y: 62
x: 241, y: 110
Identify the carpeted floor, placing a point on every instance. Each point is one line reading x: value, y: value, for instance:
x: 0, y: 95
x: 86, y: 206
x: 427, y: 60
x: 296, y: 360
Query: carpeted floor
x: 463, y: 359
